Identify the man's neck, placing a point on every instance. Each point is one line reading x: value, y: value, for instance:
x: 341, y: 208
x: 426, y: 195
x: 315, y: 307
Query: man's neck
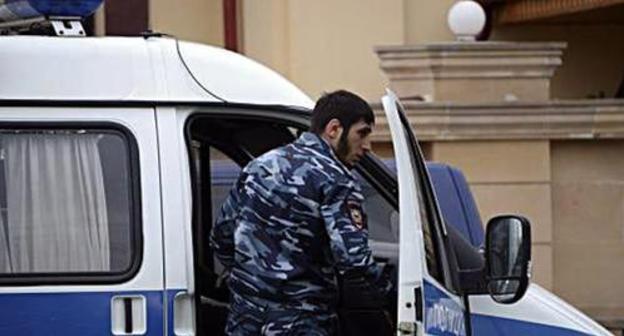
x: 327, y: 140
x: 333, y: 151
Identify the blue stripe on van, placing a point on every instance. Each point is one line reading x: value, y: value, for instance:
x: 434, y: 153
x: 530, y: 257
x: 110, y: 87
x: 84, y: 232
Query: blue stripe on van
x: 491, y: 325
x: 70, y: 314
x: 444, y: 316
x: 89, y: 314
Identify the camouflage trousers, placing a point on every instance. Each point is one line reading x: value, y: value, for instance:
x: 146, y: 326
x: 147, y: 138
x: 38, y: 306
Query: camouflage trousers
x: 247, y: 319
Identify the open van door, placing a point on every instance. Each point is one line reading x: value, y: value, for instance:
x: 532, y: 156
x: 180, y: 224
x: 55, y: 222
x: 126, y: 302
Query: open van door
x: 426, y: 302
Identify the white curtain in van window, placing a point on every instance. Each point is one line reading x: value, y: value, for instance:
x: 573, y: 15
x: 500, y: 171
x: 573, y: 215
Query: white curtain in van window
x: 56, y: 205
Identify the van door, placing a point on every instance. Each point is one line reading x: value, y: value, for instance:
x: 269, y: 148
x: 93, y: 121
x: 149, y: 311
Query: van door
x: 80, y: 223
x: 427, y: 302
x: 177, y: 218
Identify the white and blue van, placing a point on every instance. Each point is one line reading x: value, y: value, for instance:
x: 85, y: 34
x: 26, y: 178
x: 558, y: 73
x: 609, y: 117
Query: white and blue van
x: 110, y: 152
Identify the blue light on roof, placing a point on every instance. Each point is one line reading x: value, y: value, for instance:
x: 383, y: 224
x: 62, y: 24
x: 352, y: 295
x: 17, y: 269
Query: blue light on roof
x: 12, y: 10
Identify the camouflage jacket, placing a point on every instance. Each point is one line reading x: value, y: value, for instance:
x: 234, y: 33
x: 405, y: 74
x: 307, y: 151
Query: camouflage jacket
x: 293, y: 219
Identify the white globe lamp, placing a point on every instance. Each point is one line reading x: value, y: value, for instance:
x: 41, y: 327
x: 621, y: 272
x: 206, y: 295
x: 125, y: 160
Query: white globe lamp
x: 466, y: 19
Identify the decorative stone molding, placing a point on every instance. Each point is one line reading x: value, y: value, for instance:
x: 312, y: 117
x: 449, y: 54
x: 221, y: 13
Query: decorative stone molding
x: 472, y: 71
x: 583, y: 119
x: 529, y: 10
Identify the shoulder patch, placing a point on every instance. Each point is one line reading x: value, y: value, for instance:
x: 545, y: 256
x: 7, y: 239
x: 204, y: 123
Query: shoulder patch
x: 358, y: 218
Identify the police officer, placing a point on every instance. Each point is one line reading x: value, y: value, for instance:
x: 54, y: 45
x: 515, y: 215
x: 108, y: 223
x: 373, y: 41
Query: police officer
x: 294, y: 221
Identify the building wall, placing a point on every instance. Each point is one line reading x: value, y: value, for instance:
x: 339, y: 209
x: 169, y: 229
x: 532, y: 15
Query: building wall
x: 592, y: 63
x: 266, y: 33
x: 324, y: 45
x: 588, y: 224
x: 192, y: 20
x: 425, y: 21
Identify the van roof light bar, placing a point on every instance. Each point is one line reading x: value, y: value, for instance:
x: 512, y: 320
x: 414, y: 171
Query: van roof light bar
x: 30, y: 16
x: 69, y: 26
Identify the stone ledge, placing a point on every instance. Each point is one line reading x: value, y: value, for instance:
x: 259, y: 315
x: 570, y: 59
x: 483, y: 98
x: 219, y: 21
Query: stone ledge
x: 471, y: 60
x: 581, y: 119
x: 443, y: 47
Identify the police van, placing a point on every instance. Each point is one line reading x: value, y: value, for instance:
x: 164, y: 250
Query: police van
x: 110, y: 152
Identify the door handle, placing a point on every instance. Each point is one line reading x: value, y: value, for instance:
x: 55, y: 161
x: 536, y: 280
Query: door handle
x: 128, y: 315
x: 183, y: 314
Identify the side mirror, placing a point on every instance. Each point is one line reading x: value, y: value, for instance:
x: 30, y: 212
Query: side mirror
x: 508, y: 257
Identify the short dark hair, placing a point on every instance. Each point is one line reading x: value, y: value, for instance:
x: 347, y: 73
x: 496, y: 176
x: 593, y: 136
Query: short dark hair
x: 343, y: 105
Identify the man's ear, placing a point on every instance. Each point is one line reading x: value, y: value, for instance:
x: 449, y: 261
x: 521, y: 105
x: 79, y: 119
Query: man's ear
x: 333, y: 129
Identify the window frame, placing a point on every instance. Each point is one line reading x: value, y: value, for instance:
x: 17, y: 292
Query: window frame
x: 134, y: 209
x: 370, y: 167
x: 434, y: 216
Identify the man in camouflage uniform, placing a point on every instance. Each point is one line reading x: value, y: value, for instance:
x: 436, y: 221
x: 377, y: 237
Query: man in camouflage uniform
x: 293, y: 220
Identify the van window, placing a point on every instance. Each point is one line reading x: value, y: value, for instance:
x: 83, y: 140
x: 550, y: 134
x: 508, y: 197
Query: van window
x: 383, y: 219
x: 65, y: 202
x: 437, y: 261
x: 224, y: 173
